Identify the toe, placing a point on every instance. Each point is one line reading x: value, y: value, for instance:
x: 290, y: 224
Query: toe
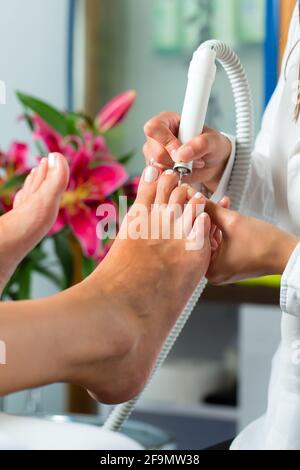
x: 193, y: 209
x: 166, y: 185
x: 57, y: 175
x: 200, y: 232
x: 39, y: 175
x: 179, y: 196
x: 18, y: 199
x: 22, y: 195
x: 148, y: 185
x: 28, y: 181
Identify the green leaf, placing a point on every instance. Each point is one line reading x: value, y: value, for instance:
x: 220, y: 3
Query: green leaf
x: 13, y: 183
x: 64, y: 254
x: 29, y: 121
x: 57, y: 280
x: 48, y: 113
x: 88, y: 266
x: 127, y: 157
x: 25, y: 279
x: 75, y: 117
x: 37, y: 254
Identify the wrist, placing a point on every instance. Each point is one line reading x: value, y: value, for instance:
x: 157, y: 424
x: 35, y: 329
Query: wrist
x: 227, y: 148
x: 282, y: 247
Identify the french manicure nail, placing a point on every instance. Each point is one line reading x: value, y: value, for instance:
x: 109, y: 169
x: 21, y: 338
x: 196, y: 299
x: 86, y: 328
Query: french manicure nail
x: 169, y: 172
x: 150, y: 174
x: 198, y: 196
x: 52, y: 160
x: 185, y: 153
x: 173, y: 155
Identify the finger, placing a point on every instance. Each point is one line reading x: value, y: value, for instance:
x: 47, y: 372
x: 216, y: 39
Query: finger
x: 156, y: 154
x: 225, y: 202
x: 164, y: 129
x: 218, y: 236
x: 219, y: 216
x: 196, y: 149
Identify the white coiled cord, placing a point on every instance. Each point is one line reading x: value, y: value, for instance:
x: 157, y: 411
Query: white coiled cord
x: 236, y: 190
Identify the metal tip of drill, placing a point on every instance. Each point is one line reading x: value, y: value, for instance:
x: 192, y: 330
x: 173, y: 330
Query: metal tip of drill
x: 180, y: 179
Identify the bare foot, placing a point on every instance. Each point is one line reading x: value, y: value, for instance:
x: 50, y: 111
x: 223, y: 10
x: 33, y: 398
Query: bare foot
x: 147, y: 283
x: 35, y: 210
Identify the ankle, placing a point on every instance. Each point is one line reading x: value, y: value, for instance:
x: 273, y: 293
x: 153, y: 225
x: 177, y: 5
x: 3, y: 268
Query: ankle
x: 106, y: 361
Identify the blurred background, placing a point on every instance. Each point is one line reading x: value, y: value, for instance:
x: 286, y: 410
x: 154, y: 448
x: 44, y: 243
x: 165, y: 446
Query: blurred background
x: 78, y: 54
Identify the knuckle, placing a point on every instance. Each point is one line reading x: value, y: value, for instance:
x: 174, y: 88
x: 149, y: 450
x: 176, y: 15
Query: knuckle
x: 233, y: 221
x: 145, y: 149
x: 202, y: 141
x: 160, y: 156
x: 151, y: 126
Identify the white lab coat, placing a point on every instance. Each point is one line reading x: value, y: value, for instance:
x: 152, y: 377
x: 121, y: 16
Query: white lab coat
x: 273, y: 194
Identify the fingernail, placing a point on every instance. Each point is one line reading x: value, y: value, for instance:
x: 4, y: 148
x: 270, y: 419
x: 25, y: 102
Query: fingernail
x: 33, y: 171
x: 169, y: 172
x: 52, y: 160
x: 185, y: 153
x: 198, y: 196
x: 173, y: 154
x: 200, y: 164
x: 150, y: 174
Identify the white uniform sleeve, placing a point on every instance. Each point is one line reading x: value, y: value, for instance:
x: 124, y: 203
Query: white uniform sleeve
x: 290, y: 285
x: 259, y: 197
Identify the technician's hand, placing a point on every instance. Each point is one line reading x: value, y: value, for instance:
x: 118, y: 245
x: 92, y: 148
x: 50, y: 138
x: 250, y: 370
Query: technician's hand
x: 210, y: 151
x: 249, y: 248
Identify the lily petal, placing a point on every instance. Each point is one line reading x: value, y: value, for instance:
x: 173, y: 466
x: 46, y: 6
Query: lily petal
x: 60, y: 223
x: 106, y: 179
x: 115, y: 111
x: 18, y: 156
x: 84, y: 226
x: 51, y: 139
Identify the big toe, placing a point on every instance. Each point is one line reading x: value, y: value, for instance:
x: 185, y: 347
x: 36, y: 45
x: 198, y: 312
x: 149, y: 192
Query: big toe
x: 148, y: 185
x: 57, y: 177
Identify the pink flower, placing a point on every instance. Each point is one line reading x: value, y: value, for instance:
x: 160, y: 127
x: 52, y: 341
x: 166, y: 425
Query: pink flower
x: 13, y: 163
x: 70, y: 145
x: 16, y: 160
x: 88, y: 187
x: 131, y: 187
x: 115, y: 111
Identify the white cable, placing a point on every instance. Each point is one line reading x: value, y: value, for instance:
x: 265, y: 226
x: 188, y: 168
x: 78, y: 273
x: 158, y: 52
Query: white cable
x: 236, y: 191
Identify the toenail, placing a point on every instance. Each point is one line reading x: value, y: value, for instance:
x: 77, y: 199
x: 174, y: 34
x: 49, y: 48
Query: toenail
x: 150, y: 174
x: 52, y: 160
x: 169, y: 172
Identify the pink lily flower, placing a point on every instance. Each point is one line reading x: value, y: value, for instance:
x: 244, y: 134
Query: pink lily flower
x: 131, y: 187
x: 13, y: 163
x: 114, y: 112
x: 88, y: 187
x: 70, y: 145
x: 16, y: 160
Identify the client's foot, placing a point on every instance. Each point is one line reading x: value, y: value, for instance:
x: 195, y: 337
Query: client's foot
x: 35, y: 210
x: 147, y: 281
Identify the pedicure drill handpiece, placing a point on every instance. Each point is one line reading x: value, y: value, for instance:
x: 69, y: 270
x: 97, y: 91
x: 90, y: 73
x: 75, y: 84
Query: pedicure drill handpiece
x: 201, y: 77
